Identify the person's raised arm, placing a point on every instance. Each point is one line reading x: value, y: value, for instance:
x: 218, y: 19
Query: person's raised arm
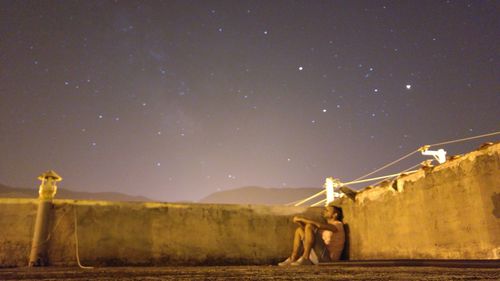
x: 327, y: 226
x: 319, y: 225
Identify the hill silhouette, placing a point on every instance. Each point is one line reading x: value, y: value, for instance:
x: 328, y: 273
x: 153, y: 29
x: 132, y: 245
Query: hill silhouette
x: 260, y: 195
x: 62, y: 193
x: 243, y: 195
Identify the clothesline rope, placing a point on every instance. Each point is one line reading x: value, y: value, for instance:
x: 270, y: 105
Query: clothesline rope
x: 310, y: 197
x: 76, y: 242
x: 375, y: 184
x: 387, y: 165
x: 358, y: 180
x: 466, y: 139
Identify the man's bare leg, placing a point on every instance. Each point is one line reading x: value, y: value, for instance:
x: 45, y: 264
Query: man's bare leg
x: 303, y: 238
x: 297, y: 247
x: 308, y: 241
x: 297, y: 243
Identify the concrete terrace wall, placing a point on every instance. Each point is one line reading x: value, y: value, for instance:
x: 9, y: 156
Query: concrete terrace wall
x: 114, y: 233
x: 17, y: 221
x: 451, y: 211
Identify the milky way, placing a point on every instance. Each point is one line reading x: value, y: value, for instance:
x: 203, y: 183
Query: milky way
x: 175, y: 100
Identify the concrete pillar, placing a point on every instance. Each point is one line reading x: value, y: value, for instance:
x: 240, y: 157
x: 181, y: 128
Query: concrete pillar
x: 47, y: 191
x: 329, y: 183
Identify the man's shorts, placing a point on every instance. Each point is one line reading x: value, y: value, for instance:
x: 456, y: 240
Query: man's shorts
x: 319, y: 252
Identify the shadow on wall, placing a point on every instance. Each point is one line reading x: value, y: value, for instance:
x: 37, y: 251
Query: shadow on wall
x: 347, y: 243
x: 496, y: 204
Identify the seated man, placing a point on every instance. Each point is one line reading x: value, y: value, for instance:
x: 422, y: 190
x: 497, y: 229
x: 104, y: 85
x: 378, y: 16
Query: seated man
x: 321, y: 242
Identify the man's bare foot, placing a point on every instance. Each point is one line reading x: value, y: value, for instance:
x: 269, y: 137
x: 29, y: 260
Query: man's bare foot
x: 301, y: 261
x: 286, y: 262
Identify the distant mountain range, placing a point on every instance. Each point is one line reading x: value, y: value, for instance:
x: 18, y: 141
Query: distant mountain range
x: 260, y: 195
x: 243, y: 195
x: 19, y: 192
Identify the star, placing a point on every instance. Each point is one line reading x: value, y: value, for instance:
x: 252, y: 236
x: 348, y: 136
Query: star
x: 216, y: 102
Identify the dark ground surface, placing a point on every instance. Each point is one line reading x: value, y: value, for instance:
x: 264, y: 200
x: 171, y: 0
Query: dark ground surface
x: 324, y: 272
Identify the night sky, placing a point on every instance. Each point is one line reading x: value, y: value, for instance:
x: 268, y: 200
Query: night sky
x: 175, y: 100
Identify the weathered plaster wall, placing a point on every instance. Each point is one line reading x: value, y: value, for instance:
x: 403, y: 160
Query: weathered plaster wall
x: 449, y: 212
x: 111, y: 233
x: 17, y: 222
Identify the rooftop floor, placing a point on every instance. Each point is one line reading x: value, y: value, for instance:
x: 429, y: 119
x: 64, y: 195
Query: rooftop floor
x: 323, y: 272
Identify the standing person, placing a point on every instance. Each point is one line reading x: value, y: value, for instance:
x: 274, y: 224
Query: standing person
x: 320, y: 242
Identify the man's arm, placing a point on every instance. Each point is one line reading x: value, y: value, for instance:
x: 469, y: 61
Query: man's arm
x: 319, y: 225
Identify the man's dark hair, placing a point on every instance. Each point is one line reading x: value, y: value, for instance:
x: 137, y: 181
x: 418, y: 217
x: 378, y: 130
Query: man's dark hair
x: 338, y: 210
